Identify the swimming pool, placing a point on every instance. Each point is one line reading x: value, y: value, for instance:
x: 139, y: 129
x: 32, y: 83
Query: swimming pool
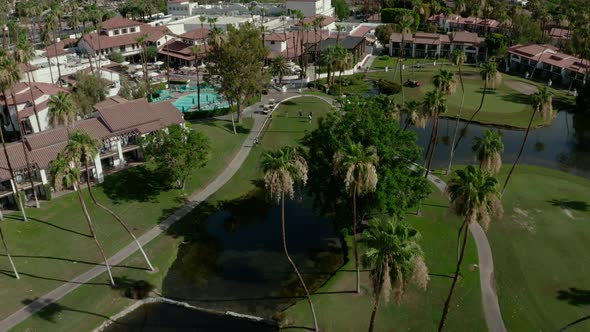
x: 209, y: 100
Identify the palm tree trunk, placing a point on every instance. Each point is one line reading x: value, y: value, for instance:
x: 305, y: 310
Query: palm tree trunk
x: 8, y: 254
x: 485, y: 89
x: 239, y: 105
x: 429, y: 146
x: 356, y: 251
x: 34, y: 105
x: 315, y: 320
x: 29, y: 171
x: 401, y: 82
x: 340, y: 83
x: 91, y: 227
x: 526, y: 135
x: 376, y: 298
x: 112, y: 213
x: 56, y: 58
x: 457, y: 122
x: 434, y: 139
x: 443, y: 319
x: 50, y: 71
x: 198, y: 85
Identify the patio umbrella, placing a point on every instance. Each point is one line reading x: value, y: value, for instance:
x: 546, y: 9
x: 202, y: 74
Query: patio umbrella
x: 124, y: 63
x: 159, y: 63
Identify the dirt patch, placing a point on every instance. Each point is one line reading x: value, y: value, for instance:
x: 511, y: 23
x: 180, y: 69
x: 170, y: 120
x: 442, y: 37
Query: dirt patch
x: 524, y: 88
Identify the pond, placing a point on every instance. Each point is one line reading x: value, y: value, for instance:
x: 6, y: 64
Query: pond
x: 564, y: 145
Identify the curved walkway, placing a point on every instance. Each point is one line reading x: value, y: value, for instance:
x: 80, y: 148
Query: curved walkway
x: 491, y: 308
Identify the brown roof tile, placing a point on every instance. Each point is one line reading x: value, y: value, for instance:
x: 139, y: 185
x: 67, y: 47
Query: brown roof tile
x: 119, y: 22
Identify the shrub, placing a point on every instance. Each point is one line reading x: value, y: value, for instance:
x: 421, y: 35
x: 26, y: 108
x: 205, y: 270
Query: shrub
x: 384, y: 57
x: 116, y: 57
x: 138, y: 290
x: 206, y: 114
x: 387, y: 87
x: 47, y: 190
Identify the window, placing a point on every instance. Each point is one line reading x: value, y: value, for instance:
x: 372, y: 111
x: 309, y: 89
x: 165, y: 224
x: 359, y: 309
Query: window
x: 124, y: 31
x: 122, y: 48
x: 115, y: 32
x: 131, y: 29
x: 272, y: 42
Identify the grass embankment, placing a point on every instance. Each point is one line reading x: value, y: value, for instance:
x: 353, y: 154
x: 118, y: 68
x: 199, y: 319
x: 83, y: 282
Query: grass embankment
x: 91, y: 304
x: 340, y: 310
x: 54, y: 246
x: 540, y: 250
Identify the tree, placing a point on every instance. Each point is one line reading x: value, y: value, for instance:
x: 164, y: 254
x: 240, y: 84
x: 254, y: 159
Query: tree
x: 65, y: 171
x: 491, y: 77
x: 131, y: 90
x: 283, y: 169
x: 383, y: 33
x: 434, y: 104
x: 23, y: 53
x: 61, y: 109
x: 142, y: 41
x: 541, y: 102
x: 82, y: 148
x: 195, y: 50
x: 488, y: 150
x: 356, y: 165
x: 458, y: 59
x: 52, y: 23
x: 341, y: 9
x: 474, y: 196
x: 525, y: 30
x: 496, y: 43
x: 317, y: 26
x: 342, y: 61
x: 444, y: 81
x: 404, y: 27
x: 279, y: 68
x: 177, y: 151
x: 415, y: 115
x: 90, y: 90
x: 395, y: 258
x: 363, y: 121
x: 238, y: 83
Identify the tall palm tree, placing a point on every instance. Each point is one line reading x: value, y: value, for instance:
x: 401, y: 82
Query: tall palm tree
x: 343, y: 60
x: 357, y: 164
x: 491, y: 78
x: 395, y: 258
x: 415, y: 115
x: 541, y: 102
x: 327, y: 59
x: 404, y: 27
x: 195, y: 50
x: 283, y: 168
x: 444, y: 81
x: 317, y: 26
x: 142, y: 41
x: 459, y: 59
x: 82, y: 147
x: 488, y: 150
x: 16, y: 275
x: 61, y: 109
x: 52, y: 24
x: 279, y: 68
x: 475, y: 196
x: 434, y: 104
x: 65, y: 170
x: 23, y: 53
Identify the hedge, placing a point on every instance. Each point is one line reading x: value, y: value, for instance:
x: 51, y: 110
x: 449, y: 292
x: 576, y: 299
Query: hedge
x: 387, y: 87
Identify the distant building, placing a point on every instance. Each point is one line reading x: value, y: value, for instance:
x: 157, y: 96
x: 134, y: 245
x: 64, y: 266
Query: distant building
x: 548, y: 62
x: 328, y: 22
x: 454, y: 22
x: 559, y: 36
x: 178, y: 50
x: 182, y: 8
x: 311, y: 7
x: 434, y: 45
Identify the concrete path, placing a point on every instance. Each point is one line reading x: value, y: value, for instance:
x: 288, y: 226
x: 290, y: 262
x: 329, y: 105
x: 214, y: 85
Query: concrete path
x: 194, y: 200
x: 491, y: 308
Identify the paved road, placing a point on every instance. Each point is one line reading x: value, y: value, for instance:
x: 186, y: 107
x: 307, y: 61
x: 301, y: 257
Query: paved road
x: 194, y: 200
x: 489, y: 296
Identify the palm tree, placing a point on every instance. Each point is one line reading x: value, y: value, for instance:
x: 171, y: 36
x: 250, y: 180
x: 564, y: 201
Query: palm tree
x: 52, y: 23
x: 434, y: 104
x: 327, y: 58
x: 339, y: 29
x: 395, y: 258
x: 404, y: 27
x: 142, y: 42
x: 66, y: 171
x: 415, y: 115
x: 488, y: 150
x: 16, y: 275
x: 61, y: 109
x: 82, y: 147
x: 279, y: 68
x: 445, y: 82
x: 491, y: 77
x: 195, y: 50
x: 460, y: 6
x: 23, y: 53
x: 283, y: 168
x: 542, y: 103
x: 343, y: 60
x: 475, y: 196
x: 357, y: 165
x: 459, y: 59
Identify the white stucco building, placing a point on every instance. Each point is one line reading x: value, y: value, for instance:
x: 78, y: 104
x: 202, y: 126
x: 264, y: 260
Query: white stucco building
x: 311, y: 7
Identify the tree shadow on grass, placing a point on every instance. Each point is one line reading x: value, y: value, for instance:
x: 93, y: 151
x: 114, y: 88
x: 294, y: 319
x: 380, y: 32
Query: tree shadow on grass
x: 9, y: 273
x: 516, y: 97
x: 76, y: 261
x: 49, y: 311
x: 569, y: 204
x: 240, y: 129
x: 59, y: 227
x: 574, y: 296
x: 135, y: 184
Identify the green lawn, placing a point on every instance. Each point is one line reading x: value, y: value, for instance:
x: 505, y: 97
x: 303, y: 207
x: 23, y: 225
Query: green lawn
x: 91, y: 304
x: 540, y: 250
x: 339, y: 310
x: 54, y: 246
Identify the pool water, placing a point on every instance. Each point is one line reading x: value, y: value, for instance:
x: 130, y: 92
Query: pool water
x: 210, y: 100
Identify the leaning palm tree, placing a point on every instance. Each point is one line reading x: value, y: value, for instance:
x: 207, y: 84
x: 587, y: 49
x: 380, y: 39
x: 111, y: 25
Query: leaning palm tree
x: 542, y: 104
x: 395, y: 258
x: 459, y: 59
x: 16, y: 275
x: 475, y: 196
x: 65, y: 171
x: 195, y: 51
x: 488, y: 150
x: 283, y: 168
x: 434, y: 104
x: 279, y: 68
x: 491, y: 78
x: 357, y: 165
x: 61, y: 109
x: 82, y: 147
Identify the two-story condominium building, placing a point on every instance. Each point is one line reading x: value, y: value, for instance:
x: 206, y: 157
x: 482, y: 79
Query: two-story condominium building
x: 548, y: 62
x: 120, y: 35
x: 178, y: 50
x: 454, y: 22
x: 434, y: 45
x: 118, y: 125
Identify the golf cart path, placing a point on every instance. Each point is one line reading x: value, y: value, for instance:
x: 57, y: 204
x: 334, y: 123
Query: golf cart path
x: 491, y: 307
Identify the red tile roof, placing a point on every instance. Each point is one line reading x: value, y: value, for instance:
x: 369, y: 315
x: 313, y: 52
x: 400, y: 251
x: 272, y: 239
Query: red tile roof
x: 559, y: 33
x: 361, y: 31
x: 119, y: 22
x: 106, y: 41
x: 197, y: 34
x: 327, y: 20
x: 50, y: 51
